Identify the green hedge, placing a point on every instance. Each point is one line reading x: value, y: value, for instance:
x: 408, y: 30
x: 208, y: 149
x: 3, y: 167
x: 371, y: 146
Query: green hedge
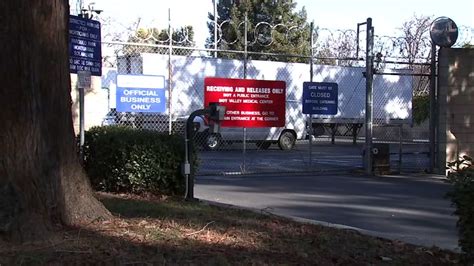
x: 421, y: 108
x: 462, y: 196
x: 123, y: 159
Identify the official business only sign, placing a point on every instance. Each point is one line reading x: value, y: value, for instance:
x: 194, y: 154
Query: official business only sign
x: 84, y: 46
x: 320, y: 98
x: 248, y: 102
x: 140, y: 93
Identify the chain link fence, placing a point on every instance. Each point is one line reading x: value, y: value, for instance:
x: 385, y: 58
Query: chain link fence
x: 307, y: 143
x: 336, y: 144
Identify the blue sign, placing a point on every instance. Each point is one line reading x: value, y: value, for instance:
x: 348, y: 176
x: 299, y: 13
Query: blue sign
x: 320, y: 98
x: 140, y: 93
x: 84, y: 46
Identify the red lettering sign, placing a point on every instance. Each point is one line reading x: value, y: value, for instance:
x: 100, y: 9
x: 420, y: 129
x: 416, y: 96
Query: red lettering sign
x: 248, y: 102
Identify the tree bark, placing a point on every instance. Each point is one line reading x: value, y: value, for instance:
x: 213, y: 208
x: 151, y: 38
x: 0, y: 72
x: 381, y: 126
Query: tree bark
x: 42, y: 183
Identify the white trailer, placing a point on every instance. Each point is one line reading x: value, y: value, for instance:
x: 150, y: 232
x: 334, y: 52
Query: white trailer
x: 392, y: 94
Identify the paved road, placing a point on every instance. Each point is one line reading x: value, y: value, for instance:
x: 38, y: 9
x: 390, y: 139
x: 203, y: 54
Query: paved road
x: 412, y: 209
x: 325, y: 157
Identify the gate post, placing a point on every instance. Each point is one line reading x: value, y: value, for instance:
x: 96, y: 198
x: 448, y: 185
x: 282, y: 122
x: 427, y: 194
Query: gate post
x: 369, y: 75
x: 432, y: 121
x: 309, y: 118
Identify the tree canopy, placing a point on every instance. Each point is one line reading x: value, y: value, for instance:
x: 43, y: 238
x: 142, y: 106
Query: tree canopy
x: 274, y: 26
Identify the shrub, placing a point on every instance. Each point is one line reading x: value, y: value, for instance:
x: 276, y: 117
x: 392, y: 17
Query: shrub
x: 123, y: 159
x: 421, y: 108
x: 461, y: 175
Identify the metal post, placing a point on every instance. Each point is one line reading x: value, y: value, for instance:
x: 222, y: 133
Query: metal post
x: 311, y: 53
x: 244, y: 150
x: 79, y: 5
x: 108, y: 99
x: 81, y: 123
x: 400, y: 148
x: 187, y: 167
x: 310, y: 117
x: 369, y: 97
x: 357, y: 39
x: 355, y: 127
x: 432, y: 121
x: 215, y: 28
x: 245, y: 45
x: 188, y: 153
x: 170, y: 72
x: 358, y: 34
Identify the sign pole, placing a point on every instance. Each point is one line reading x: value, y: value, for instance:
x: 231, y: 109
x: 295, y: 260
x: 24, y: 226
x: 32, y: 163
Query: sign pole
x: 320, y: 98
x: 310, y: 117
x: 444, y: 33
x: 83, y: 82
x: 81, y: 123
x: 244, y: 150
x: 85, y: 59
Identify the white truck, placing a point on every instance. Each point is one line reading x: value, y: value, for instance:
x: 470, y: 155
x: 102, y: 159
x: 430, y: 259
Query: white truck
x: 392, y: 95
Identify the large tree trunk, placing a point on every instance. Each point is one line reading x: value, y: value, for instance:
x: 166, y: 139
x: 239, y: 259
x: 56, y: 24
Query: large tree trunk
x: 42, y: 183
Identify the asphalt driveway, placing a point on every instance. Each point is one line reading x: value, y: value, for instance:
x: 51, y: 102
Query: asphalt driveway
x: 409, y: 208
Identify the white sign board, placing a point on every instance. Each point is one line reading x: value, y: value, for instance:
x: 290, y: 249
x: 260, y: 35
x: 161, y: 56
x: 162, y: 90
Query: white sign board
x: 83, y: 79
x: 140, y: 93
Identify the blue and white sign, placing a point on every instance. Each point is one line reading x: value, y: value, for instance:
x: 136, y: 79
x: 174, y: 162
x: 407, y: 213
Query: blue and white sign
x: 84, y: 46
x: 320, y: 98
x: 140, y: 93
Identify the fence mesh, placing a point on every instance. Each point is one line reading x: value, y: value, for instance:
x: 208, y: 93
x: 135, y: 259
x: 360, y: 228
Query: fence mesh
x: 321, y: 143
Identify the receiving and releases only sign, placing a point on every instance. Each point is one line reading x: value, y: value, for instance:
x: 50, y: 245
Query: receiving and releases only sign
x: 248, y: 102
x: 140, y: 93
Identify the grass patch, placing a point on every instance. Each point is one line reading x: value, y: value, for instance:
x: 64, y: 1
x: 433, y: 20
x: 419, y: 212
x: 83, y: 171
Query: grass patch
x: 151, y: 230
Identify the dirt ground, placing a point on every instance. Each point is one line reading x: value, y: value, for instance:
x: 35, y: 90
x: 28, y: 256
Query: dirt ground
x: 166, y: 231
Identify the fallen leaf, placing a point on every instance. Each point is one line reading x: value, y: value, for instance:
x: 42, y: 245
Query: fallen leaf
x: 142, y: 223
x: 430, y: 252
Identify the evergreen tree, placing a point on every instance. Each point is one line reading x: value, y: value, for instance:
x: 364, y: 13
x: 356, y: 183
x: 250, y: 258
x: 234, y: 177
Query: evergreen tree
x: 273, y: 27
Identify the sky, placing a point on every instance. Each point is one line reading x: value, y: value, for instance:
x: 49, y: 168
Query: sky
x: 387, y: 15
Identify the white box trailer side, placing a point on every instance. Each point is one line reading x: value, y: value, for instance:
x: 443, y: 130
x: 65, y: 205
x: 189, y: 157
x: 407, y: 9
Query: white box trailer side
x: 392, y: 94
x: 392, y: 99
